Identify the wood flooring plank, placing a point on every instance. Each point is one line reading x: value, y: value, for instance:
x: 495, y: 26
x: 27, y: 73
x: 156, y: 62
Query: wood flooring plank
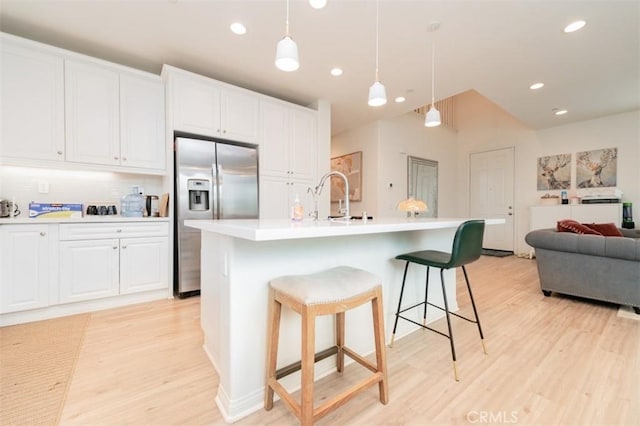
x: 551, y: 360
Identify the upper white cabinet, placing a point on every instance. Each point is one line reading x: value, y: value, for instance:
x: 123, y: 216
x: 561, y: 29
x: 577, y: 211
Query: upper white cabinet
x: 113, y: 118
x: 32, y: 104
x: 92, y: 114
x: 288, y: 157
x: 63, y: 109
x: 288, y: 141
x: 142, y: 124
x: 27, y: 267
x: 204, y: 107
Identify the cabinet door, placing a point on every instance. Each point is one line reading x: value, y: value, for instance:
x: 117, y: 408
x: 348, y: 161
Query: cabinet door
x: 303, y: 150
x: 88, y: 269
x: 274, y: 198
x: 541, y: 217
x: 32, y: 116
x: 274, y: 139
x: 239, y: 116
x: 300, y: 188
x: 92, y: 114
x: 25, y: 261
x: 142, y: 142
x: 196, y: 107
x: 597, y: 213
x: 144, y: 264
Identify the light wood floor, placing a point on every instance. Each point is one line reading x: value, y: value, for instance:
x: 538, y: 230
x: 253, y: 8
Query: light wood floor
x: 551, y: 361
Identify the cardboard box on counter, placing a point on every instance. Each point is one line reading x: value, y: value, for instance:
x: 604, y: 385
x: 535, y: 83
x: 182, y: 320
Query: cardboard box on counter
x: 50, y: 210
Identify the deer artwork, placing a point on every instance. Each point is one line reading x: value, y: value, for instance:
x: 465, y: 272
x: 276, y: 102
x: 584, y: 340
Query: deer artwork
x: 549, y: 171
x: 595, y: 167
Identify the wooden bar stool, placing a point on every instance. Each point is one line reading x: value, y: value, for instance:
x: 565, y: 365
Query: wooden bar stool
x: 467, y: 248
x: 333, y: 291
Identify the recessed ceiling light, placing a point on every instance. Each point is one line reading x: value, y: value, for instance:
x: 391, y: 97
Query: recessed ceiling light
x: 336, y: 72
x: 536, y: 86
x: 318, y: 4
x: 238, y: 28
x: 400, y: 99
x: 574, y: 26
x: 560, y: 111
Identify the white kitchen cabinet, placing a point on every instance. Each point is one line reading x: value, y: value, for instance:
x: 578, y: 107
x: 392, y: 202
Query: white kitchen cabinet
x: 204, y: 107
x: 88, y: 269
x: 288, y: 156
x: 108, y: 259
x: 142, y: 124
x: 143, y: 264
x: 27, y: 267
x: 32, y: 106
x: 548, y: 216
x: 92, y: 114
x: 277, y: 196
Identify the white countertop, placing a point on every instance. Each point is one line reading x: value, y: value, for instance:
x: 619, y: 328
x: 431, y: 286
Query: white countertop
x: 271, y: 230
x: 85, y: 219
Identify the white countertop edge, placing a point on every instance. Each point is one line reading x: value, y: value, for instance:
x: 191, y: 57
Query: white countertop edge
x: 85, y: 219
x: 273, y: 230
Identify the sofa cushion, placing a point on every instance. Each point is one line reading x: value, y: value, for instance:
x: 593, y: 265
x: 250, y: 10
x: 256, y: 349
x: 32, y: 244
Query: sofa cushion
x: 606, y: 229
x: 568, y: 225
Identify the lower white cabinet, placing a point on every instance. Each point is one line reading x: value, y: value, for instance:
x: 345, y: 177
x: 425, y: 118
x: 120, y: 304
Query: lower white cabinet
x: 88, y: 269
x: 278, y: 194
x: 143, y: 264
x: 103, y: 260
x: 27, y: 267
x: 548, y: 216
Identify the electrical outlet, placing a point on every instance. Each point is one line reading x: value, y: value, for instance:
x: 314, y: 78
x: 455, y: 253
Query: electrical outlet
x: 43, y: 187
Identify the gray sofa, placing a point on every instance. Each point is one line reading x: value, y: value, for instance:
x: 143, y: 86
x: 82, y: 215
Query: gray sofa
x: 590, y: 266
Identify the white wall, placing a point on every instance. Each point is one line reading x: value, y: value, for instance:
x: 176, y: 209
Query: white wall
x: 67, y: 186
x: 385, y: 146
x: 483, y: 126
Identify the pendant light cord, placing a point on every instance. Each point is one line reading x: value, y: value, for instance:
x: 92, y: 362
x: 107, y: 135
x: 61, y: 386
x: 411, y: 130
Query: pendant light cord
x: 377, y: 35
x: 287, y: 21
x: 433, y: 72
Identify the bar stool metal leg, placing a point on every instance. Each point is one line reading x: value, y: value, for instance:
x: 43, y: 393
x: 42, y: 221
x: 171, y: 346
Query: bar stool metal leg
x: 475, y: 311
x: 395, y: 324
x: 446, y: 311
x: 426, y: 298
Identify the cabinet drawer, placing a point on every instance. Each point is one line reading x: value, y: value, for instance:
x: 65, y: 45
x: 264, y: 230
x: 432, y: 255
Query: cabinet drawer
x: 92, y: 231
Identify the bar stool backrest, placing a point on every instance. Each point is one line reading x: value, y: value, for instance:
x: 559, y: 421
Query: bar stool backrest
x: 467, y: 243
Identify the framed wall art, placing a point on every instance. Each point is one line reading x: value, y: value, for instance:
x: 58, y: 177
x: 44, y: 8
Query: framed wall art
x: 554, y: 172
x: 597, y: 168
x: 351, y: 166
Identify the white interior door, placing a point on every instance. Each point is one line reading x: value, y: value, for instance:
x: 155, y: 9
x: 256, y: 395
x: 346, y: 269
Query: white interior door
x: 491, y: 195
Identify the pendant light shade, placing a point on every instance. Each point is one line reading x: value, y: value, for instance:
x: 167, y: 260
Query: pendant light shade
x: 377, y: 92
x: 287, y: 54
x: 433, y: 115
x: 287, y: 50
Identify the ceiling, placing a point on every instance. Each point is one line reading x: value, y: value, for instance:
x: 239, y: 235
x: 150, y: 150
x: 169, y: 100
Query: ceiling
x: 497, y: 48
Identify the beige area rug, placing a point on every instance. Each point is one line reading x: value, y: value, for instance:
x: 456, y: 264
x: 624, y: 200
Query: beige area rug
x: 36, y: 366
x: 628, y: 312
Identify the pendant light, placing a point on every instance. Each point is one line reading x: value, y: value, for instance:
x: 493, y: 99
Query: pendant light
x: 377, y: 92
x: 287, y: 51
x: 433, y: 115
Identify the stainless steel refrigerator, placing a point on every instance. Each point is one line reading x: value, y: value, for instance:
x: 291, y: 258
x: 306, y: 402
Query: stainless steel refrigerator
x: 214, y: 180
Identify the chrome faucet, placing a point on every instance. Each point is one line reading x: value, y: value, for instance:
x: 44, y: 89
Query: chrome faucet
x: 318, y: 190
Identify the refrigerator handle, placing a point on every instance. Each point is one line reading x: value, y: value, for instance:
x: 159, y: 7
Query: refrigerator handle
x: 215, y: 195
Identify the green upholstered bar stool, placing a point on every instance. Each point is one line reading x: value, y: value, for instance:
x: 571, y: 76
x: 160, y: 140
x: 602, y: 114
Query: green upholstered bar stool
x: 467, y: 247
x: 330, y: 292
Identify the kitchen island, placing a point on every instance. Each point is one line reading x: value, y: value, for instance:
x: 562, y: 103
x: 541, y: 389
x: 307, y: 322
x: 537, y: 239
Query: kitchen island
x: 239, y: 257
